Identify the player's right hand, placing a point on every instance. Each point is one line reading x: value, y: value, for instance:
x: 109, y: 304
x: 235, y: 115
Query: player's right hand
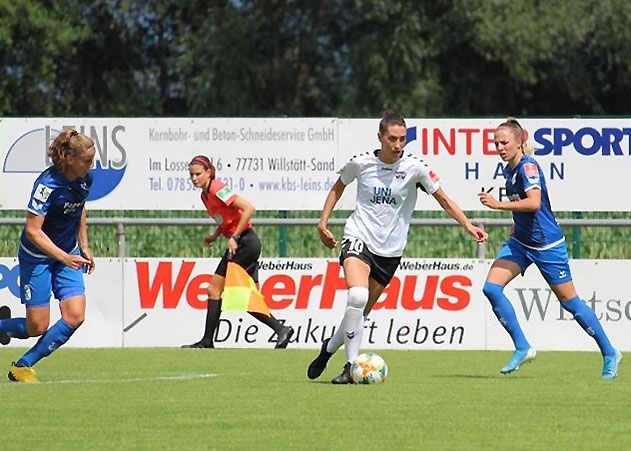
x: 488, y: 200
x: 479, y: 235
x: 327, y: 237
x: 75, y: 261
x: 208, y: 240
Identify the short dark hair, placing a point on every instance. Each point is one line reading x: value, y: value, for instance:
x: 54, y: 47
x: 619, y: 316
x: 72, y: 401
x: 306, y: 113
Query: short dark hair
x: 390, y: 118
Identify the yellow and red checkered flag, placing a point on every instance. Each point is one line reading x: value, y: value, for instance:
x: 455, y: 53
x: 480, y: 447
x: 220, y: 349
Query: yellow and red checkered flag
x: 240, y: 293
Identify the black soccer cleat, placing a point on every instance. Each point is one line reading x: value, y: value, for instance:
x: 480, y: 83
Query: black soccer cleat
x: 317, y: 367
x: 5, y: 313
x: 283, y: 337
x: 344, y: 377
x: 201, y: 344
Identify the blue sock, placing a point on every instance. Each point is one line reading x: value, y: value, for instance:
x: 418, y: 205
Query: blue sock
x: 588, y: 320
x: 14, y: 327
x: 505, y: 313
x: 55, y: 336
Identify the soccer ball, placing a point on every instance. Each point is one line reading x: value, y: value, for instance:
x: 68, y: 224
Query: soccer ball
x: 369, y: 368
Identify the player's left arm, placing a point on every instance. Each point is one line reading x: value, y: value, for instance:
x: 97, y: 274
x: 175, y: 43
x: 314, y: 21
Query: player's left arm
x: 456, y: 212
x: 530, y: 204
x: 82, y: 237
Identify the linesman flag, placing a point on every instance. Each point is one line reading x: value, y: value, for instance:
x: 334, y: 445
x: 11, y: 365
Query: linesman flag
x: 240, y: 293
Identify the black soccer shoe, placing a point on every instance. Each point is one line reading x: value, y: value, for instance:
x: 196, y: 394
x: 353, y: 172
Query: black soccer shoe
x: 317, y: 367
x: 283, y: 337
x: 201, y: 344
x: 5, y: 313
x: 344, y: 377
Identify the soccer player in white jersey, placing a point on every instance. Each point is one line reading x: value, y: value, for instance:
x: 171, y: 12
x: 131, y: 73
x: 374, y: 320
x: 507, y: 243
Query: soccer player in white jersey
x: 375, y: 234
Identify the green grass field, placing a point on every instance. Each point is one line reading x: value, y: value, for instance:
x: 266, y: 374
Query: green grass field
x: 261, y: 399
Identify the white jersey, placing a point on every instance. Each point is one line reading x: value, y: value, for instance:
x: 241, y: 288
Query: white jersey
x: 386, y: 196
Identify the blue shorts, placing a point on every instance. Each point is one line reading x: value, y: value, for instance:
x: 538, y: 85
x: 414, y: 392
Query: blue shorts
x: 39, y: 276
x: 553, y: 263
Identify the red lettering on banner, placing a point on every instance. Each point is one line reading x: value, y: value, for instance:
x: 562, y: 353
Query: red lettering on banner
x: 278, y: 285
x: 390, y: 295
x: 450, y: 146
x: 488, y: 142
x: 306, y: 285
x: 429, y: 293
x: 281, y: 284
x: 171, y: 294
x: 468, y: 138
x: 457, y: 299
x: 198, y: 288
x: 460, y: 297
x: 435, y: 141
x: 281, y: 291
x: 333, y: 282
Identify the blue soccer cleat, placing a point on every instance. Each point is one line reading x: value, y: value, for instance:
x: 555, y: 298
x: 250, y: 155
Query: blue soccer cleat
x: 517, y: 359
x: 610, y: 365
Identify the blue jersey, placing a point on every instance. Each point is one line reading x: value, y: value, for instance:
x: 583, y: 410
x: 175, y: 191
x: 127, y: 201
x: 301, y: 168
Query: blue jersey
x: 61, y: 201
x: 540, y: 229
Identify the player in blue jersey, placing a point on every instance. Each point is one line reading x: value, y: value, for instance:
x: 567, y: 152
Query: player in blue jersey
x: 537, y: 238
x: 54, y: 252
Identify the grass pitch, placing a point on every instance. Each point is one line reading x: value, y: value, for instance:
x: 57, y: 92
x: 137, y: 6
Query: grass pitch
x: 261, y: 399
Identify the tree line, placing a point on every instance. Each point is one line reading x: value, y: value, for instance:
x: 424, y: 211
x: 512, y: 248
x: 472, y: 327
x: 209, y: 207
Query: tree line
x: 314, y: 58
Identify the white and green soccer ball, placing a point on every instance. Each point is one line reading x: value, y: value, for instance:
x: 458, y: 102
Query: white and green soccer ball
x: 369, y: 368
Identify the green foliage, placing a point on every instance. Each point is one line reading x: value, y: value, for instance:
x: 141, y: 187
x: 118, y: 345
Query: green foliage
x: 266, y: 58
x: 260, y: 399
x: 553, y: 57
x: 36, y: 41
x: 305, y: 58
x: 392, y: 55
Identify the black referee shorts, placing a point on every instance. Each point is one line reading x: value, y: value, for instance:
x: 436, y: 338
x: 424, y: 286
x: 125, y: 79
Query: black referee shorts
x: 246, y: 256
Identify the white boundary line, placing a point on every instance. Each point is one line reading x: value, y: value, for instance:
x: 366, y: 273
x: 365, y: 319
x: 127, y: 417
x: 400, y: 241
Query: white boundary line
x: 180, y: 377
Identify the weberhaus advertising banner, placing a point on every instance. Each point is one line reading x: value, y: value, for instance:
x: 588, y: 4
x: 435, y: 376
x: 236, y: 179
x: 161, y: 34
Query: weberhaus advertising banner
x: 430, y: 304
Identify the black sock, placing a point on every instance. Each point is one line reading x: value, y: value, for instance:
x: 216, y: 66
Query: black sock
x: 212, y: 319
x: 268, y: 321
